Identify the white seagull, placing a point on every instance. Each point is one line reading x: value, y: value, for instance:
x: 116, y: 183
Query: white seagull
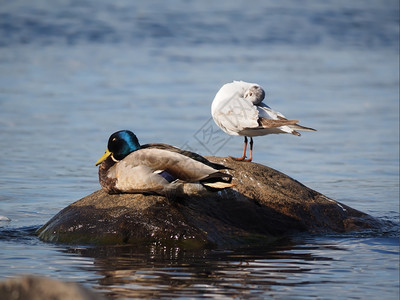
x: 238, y: 110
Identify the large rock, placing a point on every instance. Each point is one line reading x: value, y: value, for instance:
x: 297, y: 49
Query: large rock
x: 32, y: 287
x: 264, y: 204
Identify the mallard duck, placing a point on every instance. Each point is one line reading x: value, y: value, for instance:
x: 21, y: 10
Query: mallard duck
x: 128, y: 167
x: 238, y: 110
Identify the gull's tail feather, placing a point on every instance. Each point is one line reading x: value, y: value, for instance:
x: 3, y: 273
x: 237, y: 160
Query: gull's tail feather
x: 271, y: 123
x: 303, y: 128
x: 296, y: 126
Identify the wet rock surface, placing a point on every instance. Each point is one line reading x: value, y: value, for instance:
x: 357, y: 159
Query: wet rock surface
x: 262, y: 205
x: 33, y: 287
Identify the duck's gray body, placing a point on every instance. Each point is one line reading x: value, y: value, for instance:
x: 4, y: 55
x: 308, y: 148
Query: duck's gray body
x: 150, y: 169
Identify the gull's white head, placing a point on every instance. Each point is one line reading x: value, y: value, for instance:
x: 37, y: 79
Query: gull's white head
x: 255, y: 94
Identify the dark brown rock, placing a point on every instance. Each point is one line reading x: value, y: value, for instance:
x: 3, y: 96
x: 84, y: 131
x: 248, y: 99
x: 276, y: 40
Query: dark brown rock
x: 263, y: 204
x: 42, y: 288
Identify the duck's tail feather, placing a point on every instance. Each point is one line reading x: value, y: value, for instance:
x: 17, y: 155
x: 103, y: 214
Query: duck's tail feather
x: 218, y: 185
x: 216, y: 177
x: 217, y: 181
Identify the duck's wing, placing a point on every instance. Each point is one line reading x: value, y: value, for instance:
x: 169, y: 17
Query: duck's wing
x: 136, y: 179
x: 178, y: 165
x: 187, y: 153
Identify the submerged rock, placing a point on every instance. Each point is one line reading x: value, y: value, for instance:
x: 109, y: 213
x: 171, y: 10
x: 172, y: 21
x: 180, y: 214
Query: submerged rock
x: 262, y: 205
x: 32, y: 287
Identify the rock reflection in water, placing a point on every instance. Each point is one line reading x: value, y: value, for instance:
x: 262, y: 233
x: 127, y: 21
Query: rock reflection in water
x: 157, y: 271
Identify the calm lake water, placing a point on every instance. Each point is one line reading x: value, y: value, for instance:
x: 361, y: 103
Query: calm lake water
x: 73, y: 72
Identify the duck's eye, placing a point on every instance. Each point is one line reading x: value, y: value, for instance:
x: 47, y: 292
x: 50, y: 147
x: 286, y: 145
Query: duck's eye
x: 114, y: 139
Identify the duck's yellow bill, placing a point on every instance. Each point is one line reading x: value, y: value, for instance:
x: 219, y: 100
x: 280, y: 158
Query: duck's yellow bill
x: 103, y: 158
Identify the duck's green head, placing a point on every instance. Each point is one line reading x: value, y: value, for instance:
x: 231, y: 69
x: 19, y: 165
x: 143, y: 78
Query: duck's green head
x: 120, y: 144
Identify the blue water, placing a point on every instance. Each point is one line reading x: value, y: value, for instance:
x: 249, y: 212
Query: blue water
x: 73, y: 72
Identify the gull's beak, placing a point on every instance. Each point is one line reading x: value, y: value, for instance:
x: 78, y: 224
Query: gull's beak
x: 103, y: 158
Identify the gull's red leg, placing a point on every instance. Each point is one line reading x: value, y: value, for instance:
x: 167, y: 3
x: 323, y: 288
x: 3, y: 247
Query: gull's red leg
x: 244, y: 151
x: 251, y: 150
